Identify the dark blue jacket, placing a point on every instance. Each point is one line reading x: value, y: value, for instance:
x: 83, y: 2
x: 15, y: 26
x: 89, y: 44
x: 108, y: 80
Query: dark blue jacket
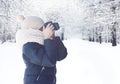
x: 41, y: 61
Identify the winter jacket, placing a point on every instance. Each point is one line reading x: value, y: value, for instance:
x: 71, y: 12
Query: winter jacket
x: 41, y: 61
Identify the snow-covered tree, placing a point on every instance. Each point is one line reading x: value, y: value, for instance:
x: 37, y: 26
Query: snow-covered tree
x: 93, y: 20
x: 103, y: 20
x: 9, y: 9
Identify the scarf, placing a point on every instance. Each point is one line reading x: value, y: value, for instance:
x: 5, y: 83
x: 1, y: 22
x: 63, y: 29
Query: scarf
x: 29, y: 35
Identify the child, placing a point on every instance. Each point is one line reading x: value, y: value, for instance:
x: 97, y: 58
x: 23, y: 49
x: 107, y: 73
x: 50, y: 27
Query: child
x: 41, y: 49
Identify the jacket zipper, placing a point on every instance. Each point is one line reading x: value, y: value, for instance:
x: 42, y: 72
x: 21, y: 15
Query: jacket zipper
x: 40, y: 73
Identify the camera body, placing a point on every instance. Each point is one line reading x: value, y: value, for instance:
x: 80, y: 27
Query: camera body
x: 55, y: 25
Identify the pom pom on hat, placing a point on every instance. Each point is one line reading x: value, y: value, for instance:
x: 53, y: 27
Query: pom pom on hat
x: 20, y: 18
x: 31, y: 22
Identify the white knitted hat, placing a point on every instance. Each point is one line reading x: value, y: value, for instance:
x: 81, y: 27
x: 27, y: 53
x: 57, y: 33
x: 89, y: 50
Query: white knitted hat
x: 31, y: 22
x: 29, y: 31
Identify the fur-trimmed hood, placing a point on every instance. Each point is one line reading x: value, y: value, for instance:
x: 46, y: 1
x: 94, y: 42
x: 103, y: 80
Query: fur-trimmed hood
x: 29, y: 35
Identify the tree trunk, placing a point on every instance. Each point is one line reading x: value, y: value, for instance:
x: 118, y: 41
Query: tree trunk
x: 114, y: 43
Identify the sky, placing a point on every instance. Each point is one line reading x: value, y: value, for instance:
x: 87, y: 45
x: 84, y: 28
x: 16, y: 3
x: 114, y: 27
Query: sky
x: 86, y: 63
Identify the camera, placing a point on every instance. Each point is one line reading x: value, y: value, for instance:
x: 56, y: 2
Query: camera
x: 55, y: 25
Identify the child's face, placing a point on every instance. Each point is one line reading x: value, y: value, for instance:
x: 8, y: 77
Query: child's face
x: 41, y: 29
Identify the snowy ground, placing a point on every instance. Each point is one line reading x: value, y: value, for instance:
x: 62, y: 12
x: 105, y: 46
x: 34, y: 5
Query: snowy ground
x: 86, y: 63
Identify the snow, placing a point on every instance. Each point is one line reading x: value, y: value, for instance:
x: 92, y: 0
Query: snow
x: 86, y: 63
x: 12, y: 66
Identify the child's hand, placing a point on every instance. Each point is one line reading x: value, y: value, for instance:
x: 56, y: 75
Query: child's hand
x: 48, y: 32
